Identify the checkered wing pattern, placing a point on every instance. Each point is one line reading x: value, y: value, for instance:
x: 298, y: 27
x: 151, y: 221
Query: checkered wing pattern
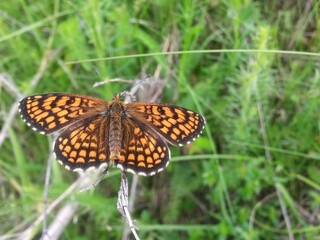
x: 84, y: 144
x: 47, y: 113
x: 177, y: 125
x: 144, y: 152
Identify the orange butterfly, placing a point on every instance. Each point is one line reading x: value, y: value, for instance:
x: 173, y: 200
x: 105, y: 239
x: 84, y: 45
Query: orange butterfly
x: 95, y: 133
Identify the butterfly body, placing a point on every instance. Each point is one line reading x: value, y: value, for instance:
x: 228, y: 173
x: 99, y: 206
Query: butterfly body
x: 116, y: 113
x: 96, y: 133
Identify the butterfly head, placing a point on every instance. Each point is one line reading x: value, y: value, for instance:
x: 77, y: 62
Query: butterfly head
x: 118, y: 96
x: 116, y: 107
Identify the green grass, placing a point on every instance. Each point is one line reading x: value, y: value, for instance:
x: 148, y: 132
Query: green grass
x: 239, y: 63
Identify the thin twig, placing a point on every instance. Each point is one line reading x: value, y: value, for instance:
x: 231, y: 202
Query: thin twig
x: 133, y: 188
x: 258, y: 205
x: 301, y: 21
x: 93, y: 178
x: 9, y: 118
x: 9, y: 84
x: 97, y: 84
x: 45, y: 192
x: 68, y: 210
x: 122, y: 204
x: 46, y: 59
x: 60, y: 222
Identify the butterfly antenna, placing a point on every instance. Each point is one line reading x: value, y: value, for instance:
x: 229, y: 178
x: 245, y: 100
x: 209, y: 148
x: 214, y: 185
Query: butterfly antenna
x: 96, y: 70
x: 134, y: 85
x: 140, y: 81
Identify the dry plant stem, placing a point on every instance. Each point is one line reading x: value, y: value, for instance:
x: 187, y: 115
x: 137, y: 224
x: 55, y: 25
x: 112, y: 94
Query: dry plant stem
x: 9, y: 84
x: 28, y: 233
x: 174, y: 39
x: 67, y: 211
x: 93, y: 185
x: 8, y: 121
x: 62, y: 220
x: 308, y: 6
x: 46, y: 59
x: 269, y: 159
x: 34, y: 81
x: 45, y: 192
x: 12, y: 20
x: 122, y: 204
x: 133, y: 189
x: 258, y: 205
x: 9, y: 236
x: 310, y: 217
x: 97, y: 84
x: 169, y: 45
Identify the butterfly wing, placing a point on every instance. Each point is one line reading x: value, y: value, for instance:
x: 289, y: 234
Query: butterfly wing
x: 84, y: 124
x: 179, y: 126
x: 84, y: 144
x: 143, y: 152
x: 50, y: 112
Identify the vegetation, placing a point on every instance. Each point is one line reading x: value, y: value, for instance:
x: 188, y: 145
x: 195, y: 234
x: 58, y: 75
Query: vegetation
x: 254, y: 172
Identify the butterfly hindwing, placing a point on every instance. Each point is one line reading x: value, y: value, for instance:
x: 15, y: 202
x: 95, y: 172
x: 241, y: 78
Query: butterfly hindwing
x: 84, y: 144
x: 144, y: 152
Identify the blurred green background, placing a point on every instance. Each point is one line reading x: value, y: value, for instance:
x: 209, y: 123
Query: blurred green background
x: 254, y: 172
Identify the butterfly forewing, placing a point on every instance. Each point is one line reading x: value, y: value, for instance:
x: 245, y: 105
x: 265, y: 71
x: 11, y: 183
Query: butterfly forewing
x: 84, y: 144
x: 144, y: 152
x: 50, y: 112
x: 177, y: 125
